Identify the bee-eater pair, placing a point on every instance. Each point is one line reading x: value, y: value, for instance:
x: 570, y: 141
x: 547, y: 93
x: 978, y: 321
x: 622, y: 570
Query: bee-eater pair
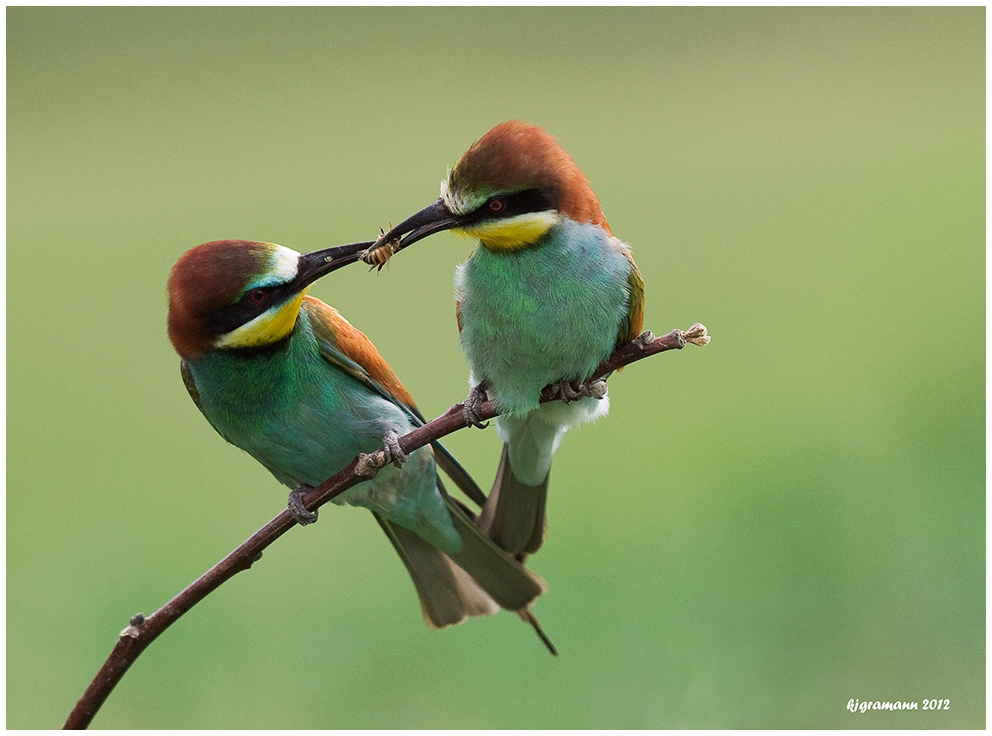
x: 545, y: 298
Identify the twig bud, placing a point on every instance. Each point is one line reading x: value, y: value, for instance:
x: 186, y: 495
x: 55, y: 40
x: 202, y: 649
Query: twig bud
x: 697, y: 335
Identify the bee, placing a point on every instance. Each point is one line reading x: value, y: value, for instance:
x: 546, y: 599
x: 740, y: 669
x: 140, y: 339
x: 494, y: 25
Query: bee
x: 379, y: 254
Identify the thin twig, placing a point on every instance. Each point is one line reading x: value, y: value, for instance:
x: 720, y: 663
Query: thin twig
x: 142, y: 631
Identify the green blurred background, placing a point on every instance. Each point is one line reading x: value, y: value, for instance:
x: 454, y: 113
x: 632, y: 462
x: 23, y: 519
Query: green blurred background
x: 760, y: 531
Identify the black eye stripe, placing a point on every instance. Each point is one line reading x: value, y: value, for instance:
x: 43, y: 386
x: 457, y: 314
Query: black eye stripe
x: 504, y: 206
x: 224, y: 319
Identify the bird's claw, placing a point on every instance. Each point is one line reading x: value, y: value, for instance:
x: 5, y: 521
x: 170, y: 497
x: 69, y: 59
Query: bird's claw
x: 595, y: 389
x: 568, y: 392
x: 391, y: 449
x: 296, y: 508
x: 473, y: 404
x: 371, y: 463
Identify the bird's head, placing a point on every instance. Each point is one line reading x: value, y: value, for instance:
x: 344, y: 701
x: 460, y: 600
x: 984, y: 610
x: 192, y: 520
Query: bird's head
x: 509, y: 189
x: 232, y: 294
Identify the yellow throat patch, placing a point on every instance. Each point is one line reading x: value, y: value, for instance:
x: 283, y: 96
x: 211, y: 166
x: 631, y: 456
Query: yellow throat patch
x: 512, y: 233
x: 268, y: 327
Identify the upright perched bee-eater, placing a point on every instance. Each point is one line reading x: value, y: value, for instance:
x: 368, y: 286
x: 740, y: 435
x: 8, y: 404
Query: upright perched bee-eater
x: 286, y: 378
x: 547, y: 295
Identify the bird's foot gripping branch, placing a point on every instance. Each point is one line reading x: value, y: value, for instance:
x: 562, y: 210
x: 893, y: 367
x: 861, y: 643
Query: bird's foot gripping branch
x: 370, y: 464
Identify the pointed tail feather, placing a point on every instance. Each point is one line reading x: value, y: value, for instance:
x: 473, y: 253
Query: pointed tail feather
x: 509, y: 583
x: 514, y: 515
x: 530, y: 618
x: 506, y: 580
x: 477, y: 581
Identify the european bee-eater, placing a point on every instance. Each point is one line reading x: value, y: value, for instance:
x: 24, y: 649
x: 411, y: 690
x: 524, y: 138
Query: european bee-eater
x: 548, y: 294
x: 286, y: 378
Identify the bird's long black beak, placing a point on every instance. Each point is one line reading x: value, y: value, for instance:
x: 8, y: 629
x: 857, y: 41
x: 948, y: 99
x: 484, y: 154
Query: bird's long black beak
x: 312, y: 266
x: 432, y: 219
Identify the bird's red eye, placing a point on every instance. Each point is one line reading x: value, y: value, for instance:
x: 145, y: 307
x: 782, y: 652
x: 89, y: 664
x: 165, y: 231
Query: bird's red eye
x: 496, y: 204
x: 258, y: 296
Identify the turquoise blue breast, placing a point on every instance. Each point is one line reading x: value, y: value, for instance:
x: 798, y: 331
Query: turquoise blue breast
x: 534, y: 316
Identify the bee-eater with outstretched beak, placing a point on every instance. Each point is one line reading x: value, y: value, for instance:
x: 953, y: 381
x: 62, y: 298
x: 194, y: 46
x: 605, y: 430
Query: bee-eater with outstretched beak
x: 284, y: 377
x: 548, y: 294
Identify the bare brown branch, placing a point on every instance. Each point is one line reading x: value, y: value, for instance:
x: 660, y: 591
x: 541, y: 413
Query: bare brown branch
x: 142, y: 631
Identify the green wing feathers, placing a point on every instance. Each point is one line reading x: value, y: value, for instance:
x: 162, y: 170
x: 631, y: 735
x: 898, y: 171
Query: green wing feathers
x: 448, y: 595
x: 477, y: 581
x: 508, y: 582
